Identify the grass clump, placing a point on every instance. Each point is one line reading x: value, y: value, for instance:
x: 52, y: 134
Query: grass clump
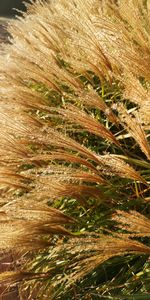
x: 74, y: 154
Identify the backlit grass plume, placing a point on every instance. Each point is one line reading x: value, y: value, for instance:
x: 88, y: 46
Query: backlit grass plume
x: 74, y: 150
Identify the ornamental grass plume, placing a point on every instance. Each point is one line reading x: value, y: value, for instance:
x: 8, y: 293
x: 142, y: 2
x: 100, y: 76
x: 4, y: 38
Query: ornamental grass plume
x: 133, y: 222
x: 74, y: 150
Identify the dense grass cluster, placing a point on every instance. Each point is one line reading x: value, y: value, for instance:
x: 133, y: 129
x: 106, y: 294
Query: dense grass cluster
x: 74, y: 150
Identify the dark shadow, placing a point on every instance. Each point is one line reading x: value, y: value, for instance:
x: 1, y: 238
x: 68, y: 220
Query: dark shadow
x: 7, y: 7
